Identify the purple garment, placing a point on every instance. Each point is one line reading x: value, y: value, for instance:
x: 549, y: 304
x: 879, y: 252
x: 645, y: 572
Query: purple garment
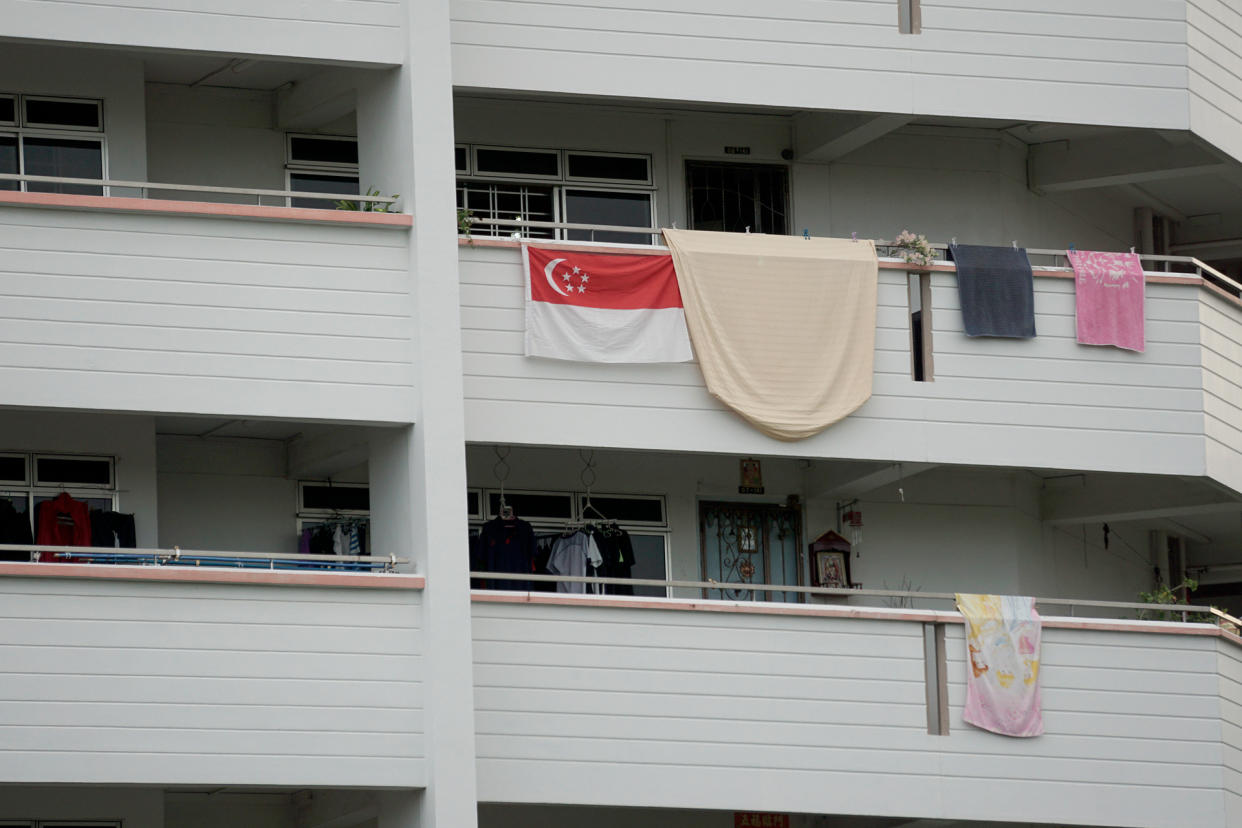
x: 304, y: 542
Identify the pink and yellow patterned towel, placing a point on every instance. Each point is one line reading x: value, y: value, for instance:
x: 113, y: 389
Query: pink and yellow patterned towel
x: 1002, y: 665
x: 1110, y: 289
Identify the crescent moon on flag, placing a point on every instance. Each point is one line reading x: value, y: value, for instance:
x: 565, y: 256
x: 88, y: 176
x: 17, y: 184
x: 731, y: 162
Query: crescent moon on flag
x: 547, y: 272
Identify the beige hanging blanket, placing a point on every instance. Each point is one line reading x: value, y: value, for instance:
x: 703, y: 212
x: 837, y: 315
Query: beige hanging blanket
x: 783, y: 327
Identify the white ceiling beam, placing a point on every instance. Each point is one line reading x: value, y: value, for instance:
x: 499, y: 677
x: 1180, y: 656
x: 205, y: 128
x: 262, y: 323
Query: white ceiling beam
x: 822, y: 137
x: 317, y: 100
x: 1146, y: 199
x: 856, y: 483
x: 1114, y: 161
x: 329, y: 454
x: 1116, y: 501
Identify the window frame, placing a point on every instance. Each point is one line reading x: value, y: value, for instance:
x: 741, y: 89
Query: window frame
x: 99, y: 109
x: 292, y: 163
x: 622, y: 182
x: 318, y: 512
x: 563, y: 209
x: 25, y: 458
x: 37, y: 483
x: 21, y: 129
x: 909, y: 17
x: 16, y: 99
x: 473, y: 161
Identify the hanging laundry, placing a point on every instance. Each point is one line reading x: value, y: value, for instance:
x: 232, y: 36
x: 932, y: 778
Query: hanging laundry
x: 603, y: 307
x: 571, y: 555
x: 783, y: 327
x: 1109, y: 291
x: 508, y: 546
x: 62, y: 521
x: 617, y: 552
x: 112, y: 529
x: 996, y: 289
x: 15, y: 529
x: 1002, y: 664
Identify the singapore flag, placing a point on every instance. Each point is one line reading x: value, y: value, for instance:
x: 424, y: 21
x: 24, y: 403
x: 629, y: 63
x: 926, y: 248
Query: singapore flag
x: 604, y: 307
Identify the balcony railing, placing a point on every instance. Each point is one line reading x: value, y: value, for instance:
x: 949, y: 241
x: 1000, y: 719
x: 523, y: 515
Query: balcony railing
x: 1042, y: 259
x: 905, y: 598
x: 145, y: 188
x: 40, y: 553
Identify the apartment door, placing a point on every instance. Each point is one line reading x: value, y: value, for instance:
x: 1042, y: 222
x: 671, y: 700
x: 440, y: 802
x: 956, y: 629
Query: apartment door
x: 746, y: 543
x: 734, y: 197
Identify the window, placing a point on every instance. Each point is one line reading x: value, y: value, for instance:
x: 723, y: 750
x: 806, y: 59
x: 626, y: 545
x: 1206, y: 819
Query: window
x: 563, y: 186
x: 50, y: 137
x: 323, y: 508
x: 642, y: 516
x: 909, y: 17
x: 734, y: 198
x: 354, y: 498
x: 322, y: 164
x: 26, y: 480
x: 57, y: 470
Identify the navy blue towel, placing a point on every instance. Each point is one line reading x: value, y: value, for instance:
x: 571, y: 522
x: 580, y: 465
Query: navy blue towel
x: 996, y: 289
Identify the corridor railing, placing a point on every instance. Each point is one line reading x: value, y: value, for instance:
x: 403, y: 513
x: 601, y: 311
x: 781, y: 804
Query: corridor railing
x: 43, y: 553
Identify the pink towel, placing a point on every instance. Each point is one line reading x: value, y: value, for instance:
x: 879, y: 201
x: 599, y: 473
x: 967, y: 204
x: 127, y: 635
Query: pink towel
x: 1110, y: 290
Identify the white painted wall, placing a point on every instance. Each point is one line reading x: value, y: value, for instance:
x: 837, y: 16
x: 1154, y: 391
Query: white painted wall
x: 1074, y: 406
x: 1112, y: 753
x: 665, y: 708
x: 213, y: 136
x: 130, y: 439
x: 167, y: 313
x: 1231, y: 726
x: 222, y: 494
x: 1215, y: 65
x: 361, y: 31
x: 972, y: 60
x: 220, y: 809
x: 135, y: 807
x: 1221, y: 335
x: 116, y: 79
x: 114, y: 682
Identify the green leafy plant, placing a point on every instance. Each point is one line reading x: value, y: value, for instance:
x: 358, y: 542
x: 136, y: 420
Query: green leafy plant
x: 914, y: 249
x: 369, y: 206
x: 1165, y: 594
x: 465, y: 218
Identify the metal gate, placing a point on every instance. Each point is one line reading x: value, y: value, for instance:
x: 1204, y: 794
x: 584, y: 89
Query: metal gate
x: 743, y: 543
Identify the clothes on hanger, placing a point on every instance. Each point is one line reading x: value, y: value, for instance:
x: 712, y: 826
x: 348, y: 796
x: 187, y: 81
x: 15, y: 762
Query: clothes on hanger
x: 62, y: 521
x: 112, y: 529
x: 617, y: 552
x: 14, y: 528
x: 572, y: 555
x: 508, y: 546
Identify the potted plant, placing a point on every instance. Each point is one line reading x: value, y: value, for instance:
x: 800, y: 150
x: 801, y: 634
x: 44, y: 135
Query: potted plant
x: 914, y: 249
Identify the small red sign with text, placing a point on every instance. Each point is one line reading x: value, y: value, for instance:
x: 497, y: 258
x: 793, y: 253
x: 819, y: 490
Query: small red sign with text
x: 747, y: 819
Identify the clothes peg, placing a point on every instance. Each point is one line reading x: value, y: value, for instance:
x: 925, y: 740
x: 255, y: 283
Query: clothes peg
x: 954, y: 240
x: 806, y: 234
x: 748, y: 229
x: 1073, y: 249
x: 1131, y: 250
x: 854, y: 236
x: 1015, y: 244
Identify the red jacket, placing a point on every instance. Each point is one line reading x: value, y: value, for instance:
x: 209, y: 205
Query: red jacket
x: 62, y: 522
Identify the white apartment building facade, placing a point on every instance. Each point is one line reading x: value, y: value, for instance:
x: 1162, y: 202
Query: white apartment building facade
x: 195, y: 337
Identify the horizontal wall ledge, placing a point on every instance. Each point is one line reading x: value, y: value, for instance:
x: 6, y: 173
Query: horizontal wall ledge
x: 207, y: 209
x: 187, y: 574
x: 826, y: 611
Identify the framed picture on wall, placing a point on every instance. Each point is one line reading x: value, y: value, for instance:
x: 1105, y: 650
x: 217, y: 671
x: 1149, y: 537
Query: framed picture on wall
x: 832, y: 569
x: 830, y: 561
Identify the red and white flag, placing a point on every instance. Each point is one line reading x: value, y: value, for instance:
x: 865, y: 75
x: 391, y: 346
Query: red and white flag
x: 604, y: 307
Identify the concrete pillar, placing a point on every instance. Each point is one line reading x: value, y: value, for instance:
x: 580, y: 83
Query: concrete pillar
x: 405, y: 136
